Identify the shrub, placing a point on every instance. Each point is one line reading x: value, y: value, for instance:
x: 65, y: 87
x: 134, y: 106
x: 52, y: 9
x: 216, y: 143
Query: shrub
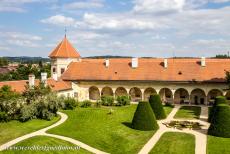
x: 98, y: 103
x: 47, y: 115
x: 86, y: 103
x: 107, y: 100
x: 28, y: 112
x: 123, y: 100
x: 70, y: 103
x: 218, y: 100
x: 221, y: 123
x: 157, y: 107
x: 169, y: 104
x: 4, y: 117
x: 144, y: 118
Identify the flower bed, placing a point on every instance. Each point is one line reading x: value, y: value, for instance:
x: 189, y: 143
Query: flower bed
x: 183, y: 125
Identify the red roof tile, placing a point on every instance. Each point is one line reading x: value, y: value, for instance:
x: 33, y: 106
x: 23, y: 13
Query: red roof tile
x: 64, y: 50
x: 19, y: 86
x: 149, y: 69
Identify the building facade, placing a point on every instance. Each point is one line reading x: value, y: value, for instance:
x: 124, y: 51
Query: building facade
x: 181, y: 80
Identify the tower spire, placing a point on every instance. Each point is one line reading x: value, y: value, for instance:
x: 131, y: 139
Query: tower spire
x: 65, y: 32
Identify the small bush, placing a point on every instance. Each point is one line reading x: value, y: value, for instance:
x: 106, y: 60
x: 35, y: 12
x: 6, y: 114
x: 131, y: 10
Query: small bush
x: 169, y: 104
x: 144, y: 118
x: 220, y: 124
x: 98, y: 103
x: 107, y: 100
x: 4, y: 117
x: 85, y: 103
x: 28, y: 112
x: 218, y: 100
x: 70, y: 104
x: 157, y: 107
x: 123, y: 100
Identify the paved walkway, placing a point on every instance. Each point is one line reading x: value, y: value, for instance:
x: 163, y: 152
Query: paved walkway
x: 64, y: 117
x: 200, y: 135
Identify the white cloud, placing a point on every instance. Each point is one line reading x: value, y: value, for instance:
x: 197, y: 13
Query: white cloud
x: 59, y: 20
x: 88, y: 4
x: 17, y: 5
x: 118, y: 22
x: 147, y: 6
x: 21, y: 39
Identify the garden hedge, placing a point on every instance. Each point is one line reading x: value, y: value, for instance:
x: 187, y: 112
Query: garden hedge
x: 157, y: 107
x: 144, y: 118
x: 220, y: 124
x: 218, y: 100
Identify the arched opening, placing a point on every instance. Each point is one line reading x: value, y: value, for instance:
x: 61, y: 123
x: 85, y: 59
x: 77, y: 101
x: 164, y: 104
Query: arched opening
x: 107, y: 91
x: 227, y: 95
x: 166, y: 95
x: 148, y: 92
x: 135, y: 94
x: 181, y: 96
x: 94, y: 93
x: 120, y: 91
x: 198, y: 96
x: 212, y: 94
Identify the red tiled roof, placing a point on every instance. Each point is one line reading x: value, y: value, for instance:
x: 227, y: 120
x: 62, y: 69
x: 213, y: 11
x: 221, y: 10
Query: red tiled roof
x: 64, y: 50
x: 19, y: 86
x: 149, y: 69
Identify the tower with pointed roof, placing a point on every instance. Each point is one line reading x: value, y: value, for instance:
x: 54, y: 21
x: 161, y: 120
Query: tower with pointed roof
x: 62, y: 56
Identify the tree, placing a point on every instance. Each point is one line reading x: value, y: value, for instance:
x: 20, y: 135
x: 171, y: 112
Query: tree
x: 218, y: 100
x: 227, y: 78
x: 220, y: 125
x: 144, y: 118
x: 157, y: 107
x: 36, y: 92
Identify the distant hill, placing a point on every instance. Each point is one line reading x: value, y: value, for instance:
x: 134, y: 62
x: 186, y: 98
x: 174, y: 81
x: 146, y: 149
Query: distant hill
x: 107, y: 56
x: 26, y: 60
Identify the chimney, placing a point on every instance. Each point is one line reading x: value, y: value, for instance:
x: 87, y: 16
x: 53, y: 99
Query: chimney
x: 134, y: 62
x: 203, y: 63
x: 165, y: 63
x: 106, y: 62
x: 31, y: 80
x: 54, y: 76
x: 44, y: 78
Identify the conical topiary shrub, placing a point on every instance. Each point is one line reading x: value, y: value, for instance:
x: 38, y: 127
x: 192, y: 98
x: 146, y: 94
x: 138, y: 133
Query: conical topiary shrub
x: 144, y: 118
x: 218, y: 100
x: 220, y: 124
x: 157, y: 107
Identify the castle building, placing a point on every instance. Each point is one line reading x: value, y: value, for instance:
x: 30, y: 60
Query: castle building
x: 176, y: 80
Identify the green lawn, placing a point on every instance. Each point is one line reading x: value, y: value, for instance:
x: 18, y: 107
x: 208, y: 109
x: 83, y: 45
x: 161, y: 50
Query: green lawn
x: 14, y: 129
x: 175, y: 143
x: 168, y: 109
x: 108, y: 132
x: 44, y: 141
x: 218, y: 145
x: 188, y: 112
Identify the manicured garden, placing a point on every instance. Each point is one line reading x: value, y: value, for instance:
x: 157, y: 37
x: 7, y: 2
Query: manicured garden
x: 14, y: 129
x: 44, y: 142
x: 103, y: 129
x: 176, y: 143
x: 188, y: 112
x: 218, y: 145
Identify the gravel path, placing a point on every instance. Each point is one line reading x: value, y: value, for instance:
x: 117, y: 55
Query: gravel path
x: 200, y: 135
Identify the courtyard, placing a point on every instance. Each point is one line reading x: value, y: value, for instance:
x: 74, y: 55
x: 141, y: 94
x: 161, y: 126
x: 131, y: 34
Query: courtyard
x: 94, y: 130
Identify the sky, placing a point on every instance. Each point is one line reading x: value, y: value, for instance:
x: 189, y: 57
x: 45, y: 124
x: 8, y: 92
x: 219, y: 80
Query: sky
x: 138, y: 28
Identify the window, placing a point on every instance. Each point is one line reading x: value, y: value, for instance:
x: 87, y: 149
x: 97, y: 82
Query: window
x: 68, y: 94
x: 75, y: 94
x: 62, y: 70
x: 54, y: 70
